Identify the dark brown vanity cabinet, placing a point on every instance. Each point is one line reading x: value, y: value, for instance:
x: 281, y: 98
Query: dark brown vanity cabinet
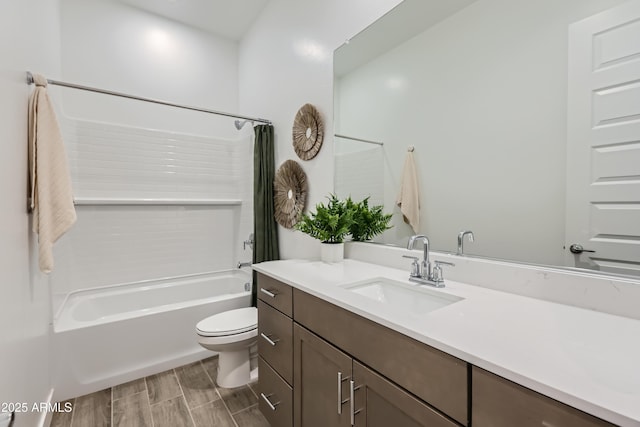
x: 341, y: 369
x: 324, y: 366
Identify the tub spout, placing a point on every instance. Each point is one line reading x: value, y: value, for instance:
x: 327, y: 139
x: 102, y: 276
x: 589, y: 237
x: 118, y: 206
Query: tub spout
x: 244, y: 264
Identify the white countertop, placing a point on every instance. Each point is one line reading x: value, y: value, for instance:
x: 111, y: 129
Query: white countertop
x: 586, y: 359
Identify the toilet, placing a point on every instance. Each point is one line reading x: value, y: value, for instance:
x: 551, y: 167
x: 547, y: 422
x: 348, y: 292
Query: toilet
x: 233, y: 334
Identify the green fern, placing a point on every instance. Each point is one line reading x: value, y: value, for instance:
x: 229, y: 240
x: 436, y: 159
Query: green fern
x: 367, y: 222
x: 330, y: 223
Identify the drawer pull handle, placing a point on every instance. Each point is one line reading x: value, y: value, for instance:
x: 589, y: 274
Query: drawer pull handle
x: 268, y: 293
x: 269, y: 340
x: 266, y: 399
x: 352, y: 392
x: 340, y: 401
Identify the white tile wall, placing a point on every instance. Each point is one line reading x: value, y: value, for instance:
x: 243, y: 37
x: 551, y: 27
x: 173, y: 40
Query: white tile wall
x: 119, y: 244
x: 109, y: 160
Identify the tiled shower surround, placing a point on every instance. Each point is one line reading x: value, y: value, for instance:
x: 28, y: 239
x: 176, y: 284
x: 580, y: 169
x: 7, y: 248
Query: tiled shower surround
x: 185, y: 396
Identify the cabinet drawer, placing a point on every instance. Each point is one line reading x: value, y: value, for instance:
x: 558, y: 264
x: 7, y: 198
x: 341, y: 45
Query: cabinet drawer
x: 278, y: 393
x: 275, y: 293
x: 430, y: 374
x: 498, y: 402
x: 275, y: 340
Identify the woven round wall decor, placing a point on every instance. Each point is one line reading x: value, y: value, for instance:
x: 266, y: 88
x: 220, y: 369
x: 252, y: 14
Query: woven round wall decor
x: 290, y: 193
x: 308, y: 132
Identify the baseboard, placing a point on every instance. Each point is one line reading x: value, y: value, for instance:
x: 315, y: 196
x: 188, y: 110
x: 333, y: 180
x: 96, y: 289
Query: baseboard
x: 46, y: 416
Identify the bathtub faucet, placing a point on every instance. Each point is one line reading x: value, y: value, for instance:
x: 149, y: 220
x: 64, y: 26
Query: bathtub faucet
x: 248, y: 242
x: 244, y: 264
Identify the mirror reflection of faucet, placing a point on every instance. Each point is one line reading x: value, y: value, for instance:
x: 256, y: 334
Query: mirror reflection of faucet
x: 461, y: 240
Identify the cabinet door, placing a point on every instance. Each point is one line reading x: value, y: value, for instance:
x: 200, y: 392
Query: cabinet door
x: 321, y: 375
x: 380, y: 403
x: 430, y: 374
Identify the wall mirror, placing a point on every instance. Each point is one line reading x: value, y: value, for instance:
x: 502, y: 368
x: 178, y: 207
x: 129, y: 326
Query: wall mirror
x: 481, y: 89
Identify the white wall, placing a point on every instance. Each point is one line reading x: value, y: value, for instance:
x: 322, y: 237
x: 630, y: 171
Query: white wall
x: 483, y: 97
x: 286, y: 60
x: 29, y: 40
x: 113, y: 46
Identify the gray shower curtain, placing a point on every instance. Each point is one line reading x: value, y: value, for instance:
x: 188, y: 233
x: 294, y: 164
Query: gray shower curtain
x: 265, y: 231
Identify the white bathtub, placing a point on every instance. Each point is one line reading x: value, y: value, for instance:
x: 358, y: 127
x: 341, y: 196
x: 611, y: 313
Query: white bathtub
x: 110, y: 336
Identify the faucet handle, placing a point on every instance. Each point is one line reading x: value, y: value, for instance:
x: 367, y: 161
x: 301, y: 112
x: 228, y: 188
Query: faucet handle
x: 437, y: 271
x: 444, y: 263
x: 415, y: 266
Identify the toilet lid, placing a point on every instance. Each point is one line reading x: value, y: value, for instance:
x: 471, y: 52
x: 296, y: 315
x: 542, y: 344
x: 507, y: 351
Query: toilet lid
x: 229, y: 322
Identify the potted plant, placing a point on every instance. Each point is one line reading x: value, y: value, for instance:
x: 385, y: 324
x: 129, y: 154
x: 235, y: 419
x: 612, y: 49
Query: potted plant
x: 367, y: 221
x: 330, y: 224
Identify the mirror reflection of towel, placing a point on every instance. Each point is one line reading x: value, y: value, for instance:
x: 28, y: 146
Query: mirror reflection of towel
x: 409, y: 196
x: 51, y: 195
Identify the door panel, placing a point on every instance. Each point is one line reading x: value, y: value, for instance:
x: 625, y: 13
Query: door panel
x: 603, y: 157
x: 315, y: 370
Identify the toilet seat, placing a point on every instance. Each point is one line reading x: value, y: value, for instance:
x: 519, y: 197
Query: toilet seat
x: 232, y: 322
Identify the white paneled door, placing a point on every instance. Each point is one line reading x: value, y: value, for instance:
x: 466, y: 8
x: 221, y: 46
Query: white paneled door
x: 603, y: 157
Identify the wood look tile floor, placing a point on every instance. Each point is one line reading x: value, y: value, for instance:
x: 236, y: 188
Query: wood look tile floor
x: 185, y: 396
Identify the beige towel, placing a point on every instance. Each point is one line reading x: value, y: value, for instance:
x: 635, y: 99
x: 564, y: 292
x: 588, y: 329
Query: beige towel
x: 409, y: 196
x: 50, y: 183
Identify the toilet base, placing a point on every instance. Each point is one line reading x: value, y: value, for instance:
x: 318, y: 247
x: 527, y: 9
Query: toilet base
x: 235, y: 368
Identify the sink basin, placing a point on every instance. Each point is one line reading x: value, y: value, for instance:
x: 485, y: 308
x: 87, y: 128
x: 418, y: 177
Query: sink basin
x: 404, y: 296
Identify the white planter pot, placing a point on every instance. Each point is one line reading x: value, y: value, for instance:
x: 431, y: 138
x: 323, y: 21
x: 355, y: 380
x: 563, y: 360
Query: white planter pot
x: 331, y: 252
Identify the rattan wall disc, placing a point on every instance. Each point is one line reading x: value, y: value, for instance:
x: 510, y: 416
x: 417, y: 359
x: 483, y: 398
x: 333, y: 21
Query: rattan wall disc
x: 308, y: 132
x: 290, y: 193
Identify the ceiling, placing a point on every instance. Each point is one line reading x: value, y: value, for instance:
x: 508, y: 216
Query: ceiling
x: 227, y: 18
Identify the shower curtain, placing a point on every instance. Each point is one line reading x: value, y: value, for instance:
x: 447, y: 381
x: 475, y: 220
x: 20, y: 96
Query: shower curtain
x: 265, y: 232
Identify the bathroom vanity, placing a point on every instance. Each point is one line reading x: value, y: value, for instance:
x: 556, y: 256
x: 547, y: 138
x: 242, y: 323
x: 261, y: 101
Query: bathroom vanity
x: 335, y: 350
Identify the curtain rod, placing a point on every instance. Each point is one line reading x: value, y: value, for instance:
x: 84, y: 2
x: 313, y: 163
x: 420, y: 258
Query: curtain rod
x: 139, y: 98
x: 359, y: 139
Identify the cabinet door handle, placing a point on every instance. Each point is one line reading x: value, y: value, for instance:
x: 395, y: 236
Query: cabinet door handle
x: 268, y: 293
x: 266, y: 399
x: 352, y: 392
x: 341, y: 402
x: 269, y: 340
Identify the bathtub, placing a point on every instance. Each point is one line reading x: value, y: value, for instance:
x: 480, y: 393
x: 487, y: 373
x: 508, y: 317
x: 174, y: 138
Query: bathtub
x: 108, y: 336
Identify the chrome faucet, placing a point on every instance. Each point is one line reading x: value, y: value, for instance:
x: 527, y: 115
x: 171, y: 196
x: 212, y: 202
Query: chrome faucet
x: 421, y: 272
x: 461, y: 240
x: 425, y: 266
x: 244, y: 264
x: 248, y: 242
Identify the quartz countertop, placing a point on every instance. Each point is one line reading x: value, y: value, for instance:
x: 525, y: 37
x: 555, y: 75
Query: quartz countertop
x: 586, y: 359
